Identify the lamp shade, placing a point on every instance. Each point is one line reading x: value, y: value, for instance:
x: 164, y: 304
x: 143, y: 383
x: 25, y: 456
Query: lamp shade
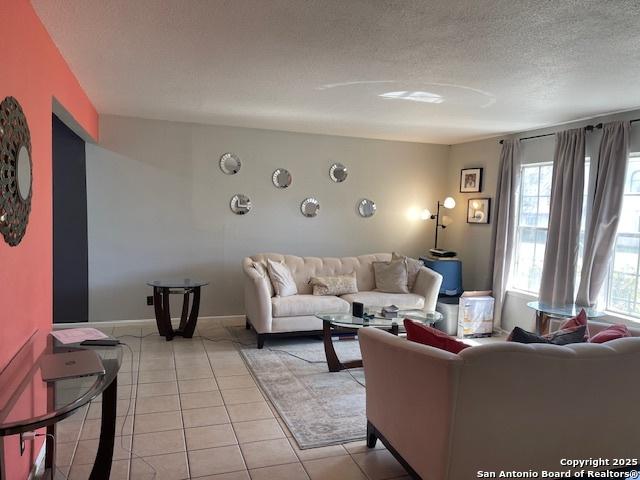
x: 446, y: 220
x: 425, y: 214
x: 449, y: 202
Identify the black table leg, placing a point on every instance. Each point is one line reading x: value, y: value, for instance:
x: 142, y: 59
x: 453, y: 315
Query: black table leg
x: 185, y: 310
x: 190, y: 326
x: 102, y: 466
x: 166, y: 315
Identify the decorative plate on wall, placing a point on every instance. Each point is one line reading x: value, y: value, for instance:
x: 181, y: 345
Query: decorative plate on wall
x: 310, y: 207
x: 240, y: 204
x: 16, y: 171
x: 230, y: 164
x: 338, y: 172
x: 366, y: 208
x: 281, y: 178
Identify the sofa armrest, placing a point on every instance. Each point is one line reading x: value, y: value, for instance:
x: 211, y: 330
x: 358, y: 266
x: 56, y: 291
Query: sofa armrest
x: 257, y: 299
x: 428, y: 284
x: 411, y: 391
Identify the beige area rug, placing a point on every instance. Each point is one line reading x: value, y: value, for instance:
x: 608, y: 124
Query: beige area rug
x: 320, y: 408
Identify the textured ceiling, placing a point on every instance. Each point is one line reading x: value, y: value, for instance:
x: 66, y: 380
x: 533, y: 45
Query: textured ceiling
x: 487, y: 67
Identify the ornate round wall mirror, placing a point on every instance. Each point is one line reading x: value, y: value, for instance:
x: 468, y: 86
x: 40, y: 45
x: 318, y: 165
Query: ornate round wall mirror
x: 230, y: 163
x: 366, y: 208
x: 310, y: 207
x: 23, y: 173
x: 15, y: 171
x: 338, y: 172
x: 281, y: 178
x: 240, y: 204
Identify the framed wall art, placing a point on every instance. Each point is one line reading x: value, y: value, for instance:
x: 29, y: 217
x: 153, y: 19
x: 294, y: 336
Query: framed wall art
x: 471, y: 180
x: 479, y: 210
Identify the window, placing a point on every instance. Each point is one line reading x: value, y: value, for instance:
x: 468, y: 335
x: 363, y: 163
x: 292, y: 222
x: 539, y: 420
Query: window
x: 622, y: 291
x: 533, y: 220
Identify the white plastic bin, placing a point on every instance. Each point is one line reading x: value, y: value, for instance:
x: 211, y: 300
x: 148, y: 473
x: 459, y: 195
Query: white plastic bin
x: 475, y: 314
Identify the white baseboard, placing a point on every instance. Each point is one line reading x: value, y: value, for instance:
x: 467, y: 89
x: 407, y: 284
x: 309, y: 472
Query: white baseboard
x: 224, y: 319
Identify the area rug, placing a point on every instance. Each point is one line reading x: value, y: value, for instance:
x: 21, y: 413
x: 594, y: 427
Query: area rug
x: 319, y: 408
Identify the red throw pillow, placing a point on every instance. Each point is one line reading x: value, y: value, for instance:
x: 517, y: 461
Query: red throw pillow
x: 419, y: 333
x: 577, y: 321
x: 611, y: 333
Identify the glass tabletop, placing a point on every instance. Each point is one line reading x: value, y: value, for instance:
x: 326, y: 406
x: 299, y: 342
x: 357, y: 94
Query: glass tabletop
x: 378, y: 321
x: 564, y: 310
x: 177, y: 283
x: 27, y: 402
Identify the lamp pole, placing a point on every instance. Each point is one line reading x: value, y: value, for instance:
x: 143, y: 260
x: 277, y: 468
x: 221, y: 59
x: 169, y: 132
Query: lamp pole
x: 436, y: 217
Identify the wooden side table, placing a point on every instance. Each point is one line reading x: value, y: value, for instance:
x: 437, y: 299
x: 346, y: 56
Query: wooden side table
x: 161, y: 291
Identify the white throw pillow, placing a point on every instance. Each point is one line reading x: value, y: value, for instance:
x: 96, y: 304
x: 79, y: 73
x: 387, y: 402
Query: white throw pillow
x: 281, y: 279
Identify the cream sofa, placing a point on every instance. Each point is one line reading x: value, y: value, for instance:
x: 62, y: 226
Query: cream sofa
x: 501, y: 406
x: 295, y: 315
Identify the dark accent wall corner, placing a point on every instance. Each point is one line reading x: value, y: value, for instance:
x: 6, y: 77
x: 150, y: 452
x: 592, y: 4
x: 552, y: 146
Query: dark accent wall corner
x: 70, y: 247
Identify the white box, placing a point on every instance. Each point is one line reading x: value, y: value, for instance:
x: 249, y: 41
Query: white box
x: 475, y: 314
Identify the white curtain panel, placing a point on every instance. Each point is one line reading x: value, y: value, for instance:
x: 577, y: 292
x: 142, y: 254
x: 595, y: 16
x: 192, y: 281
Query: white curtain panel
x: 505, y: 225
x: 567, y: 194
x: 601, y: 229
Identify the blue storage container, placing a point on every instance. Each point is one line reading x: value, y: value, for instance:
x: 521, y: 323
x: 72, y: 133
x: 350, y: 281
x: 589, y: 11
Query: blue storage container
x: 451, y: 271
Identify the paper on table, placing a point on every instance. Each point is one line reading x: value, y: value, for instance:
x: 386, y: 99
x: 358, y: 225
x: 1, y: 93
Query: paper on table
x: 76, y: 335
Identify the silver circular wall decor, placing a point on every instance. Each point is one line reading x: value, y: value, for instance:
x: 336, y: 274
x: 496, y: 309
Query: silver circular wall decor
x: 310, y: 207
x: 281, y: 178
x: 366, y: 208
x: 240, y: 204
x: 230, y: 163
x: 338, y: 172
x: 16, y: 171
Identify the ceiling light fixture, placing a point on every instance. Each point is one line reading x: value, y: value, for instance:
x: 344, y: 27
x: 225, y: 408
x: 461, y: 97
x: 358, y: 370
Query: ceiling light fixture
x: 415, y: 96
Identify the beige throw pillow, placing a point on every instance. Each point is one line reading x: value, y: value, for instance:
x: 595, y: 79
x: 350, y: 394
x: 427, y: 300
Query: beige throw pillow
x: 391, y: 277
x: 336, y: 285
x: 281, y: 278
x: 413, y: 268
x: 261, y: 268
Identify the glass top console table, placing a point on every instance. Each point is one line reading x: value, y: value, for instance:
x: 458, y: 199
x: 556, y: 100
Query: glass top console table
x: 186, y: 287
x: 544, y: 311
x: 28, y: 403
x: 336, y: 323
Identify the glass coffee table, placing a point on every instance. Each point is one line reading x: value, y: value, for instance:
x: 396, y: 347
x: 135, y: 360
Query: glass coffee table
x: 345, y: 323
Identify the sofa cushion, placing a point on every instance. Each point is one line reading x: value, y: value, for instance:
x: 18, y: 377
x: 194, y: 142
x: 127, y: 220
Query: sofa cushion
x: 281, y: 279
x: 611, y: 333
x: 559, y: 337
x: 391, y: 277
x: 413, y: 268
x: 577, y: 321
x: 334, y: 285
x: 297, y: 305
x: 404, y: 301
x: 419, y: 333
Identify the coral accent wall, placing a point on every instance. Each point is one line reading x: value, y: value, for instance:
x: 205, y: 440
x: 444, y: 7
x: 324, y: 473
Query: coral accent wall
x: 34, y: 72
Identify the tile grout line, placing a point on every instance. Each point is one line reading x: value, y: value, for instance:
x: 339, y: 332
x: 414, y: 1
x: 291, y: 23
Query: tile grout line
x: 184, y: 433
x: 224, y: 403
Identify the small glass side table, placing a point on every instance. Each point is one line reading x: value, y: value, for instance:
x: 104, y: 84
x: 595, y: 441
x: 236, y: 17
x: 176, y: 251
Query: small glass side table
x: 545, y: 311
x: 28, y: 403
x: 161, y: 291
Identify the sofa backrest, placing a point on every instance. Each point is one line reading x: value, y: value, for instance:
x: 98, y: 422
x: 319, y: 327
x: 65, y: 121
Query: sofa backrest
x: 524, y: 406
x: 303, y: 268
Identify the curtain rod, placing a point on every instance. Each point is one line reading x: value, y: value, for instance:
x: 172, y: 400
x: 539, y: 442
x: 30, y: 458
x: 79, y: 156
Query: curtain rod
x: 588, y: 128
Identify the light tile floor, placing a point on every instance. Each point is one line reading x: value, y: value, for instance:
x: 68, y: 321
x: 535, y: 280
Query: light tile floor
x: 190, y: 408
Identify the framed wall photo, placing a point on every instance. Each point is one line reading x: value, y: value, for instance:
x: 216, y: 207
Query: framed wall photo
x: 479, y: 210
x: 471, y: 180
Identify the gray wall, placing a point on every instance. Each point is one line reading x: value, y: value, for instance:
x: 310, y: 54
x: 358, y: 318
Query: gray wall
x: 158, y: 205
